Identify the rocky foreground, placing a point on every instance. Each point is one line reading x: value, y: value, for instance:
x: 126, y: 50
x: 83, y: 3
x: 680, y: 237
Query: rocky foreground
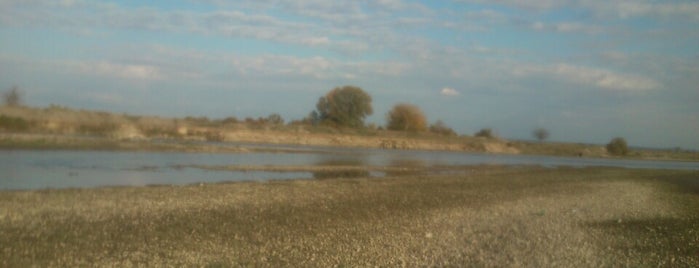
x: 485, y: 216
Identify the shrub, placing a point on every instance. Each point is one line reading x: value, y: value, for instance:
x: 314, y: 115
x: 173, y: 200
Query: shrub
x: 99, y: 129
x: 8, y: 123
x: 485, y: 133
x: 274, y: 119
x: 617, y: 146
x: 442, y: 129
x: 13, y: 97
x: 406, y: 117
x: 541, y: 134
x: 231, y: 120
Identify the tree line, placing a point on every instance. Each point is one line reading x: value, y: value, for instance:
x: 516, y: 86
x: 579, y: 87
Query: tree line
x: 348, y: 106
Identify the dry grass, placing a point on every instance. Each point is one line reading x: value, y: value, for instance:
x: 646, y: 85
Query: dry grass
x: 62, y: 121
x: 489, y: 216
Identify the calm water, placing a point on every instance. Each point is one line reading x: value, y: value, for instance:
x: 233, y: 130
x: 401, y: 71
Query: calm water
x: 21, y: 169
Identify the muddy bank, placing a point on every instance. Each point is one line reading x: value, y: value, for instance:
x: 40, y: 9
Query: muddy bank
x: 491, y: 216
x: 64, y: 142
x: 54, y: 141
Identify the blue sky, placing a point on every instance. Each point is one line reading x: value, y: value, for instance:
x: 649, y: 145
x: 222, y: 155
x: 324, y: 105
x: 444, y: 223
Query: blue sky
x: 586, y: 70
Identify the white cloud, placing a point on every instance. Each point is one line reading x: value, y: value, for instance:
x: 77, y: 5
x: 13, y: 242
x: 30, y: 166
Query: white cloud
x: 600, y: 78
x: 447, y: 91
x: 604, y: 78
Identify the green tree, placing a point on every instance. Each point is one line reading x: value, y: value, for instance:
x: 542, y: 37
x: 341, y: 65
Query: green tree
x: 541, y: 134
x: 12, y: 97
x: 344, y: 106
x: 617, y: 146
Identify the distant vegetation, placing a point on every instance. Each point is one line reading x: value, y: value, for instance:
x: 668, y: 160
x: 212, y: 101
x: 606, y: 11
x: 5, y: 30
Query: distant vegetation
x: 541, y: 134
x: 337, y: 120
x: 12, y: 97
x: 441, y: 128
x: 406, y: 117
x: 485, y: 133
x: 617, y: 146
x: 13, y: 124
x: 345, y: 106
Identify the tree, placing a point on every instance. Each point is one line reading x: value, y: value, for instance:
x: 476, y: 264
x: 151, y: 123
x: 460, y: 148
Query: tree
x: 345, y: 106
x: 541, y: 134
x: 441, y: 128
x: 406, y: 117
x: 13, y: 97
x: 617, y: 146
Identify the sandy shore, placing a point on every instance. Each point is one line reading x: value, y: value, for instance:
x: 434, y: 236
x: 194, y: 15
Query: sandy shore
x: 488, y: 216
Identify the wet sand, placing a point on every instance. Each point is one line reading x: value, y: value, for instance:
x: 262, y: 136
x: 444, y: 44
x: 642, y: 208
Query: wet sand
x: 485, y: 216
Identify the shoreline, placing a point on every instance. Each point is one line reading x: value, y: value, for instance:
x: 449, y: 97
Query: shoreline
x: 491, y: 216
x: 57, y: 127
x: 25, y: 141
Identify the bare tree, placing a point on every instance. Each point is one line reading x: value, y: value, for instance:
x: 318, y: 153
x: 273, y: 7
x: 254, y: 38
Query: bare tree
x: 13, y: 97
x: 541, y: 134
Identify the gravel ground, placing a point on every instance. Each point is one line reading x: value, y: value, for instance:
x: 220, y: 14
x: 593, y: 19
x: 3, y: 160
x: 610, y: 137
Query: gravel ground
x: 485, y: 216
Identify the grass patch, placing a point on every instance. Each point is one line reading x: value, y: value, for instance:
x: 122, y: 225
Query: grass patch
x: 13, y: 124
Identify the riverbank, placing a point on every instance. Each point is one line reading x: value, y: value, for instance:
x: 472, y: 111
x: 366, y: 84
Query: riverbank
x: 58, y: 127
x: 28, y: 141
x: 489, y: 216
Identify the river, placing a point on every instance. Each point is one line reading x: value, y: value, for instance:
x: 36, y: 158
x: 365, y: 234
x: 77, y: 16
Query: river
x: 28, y: 169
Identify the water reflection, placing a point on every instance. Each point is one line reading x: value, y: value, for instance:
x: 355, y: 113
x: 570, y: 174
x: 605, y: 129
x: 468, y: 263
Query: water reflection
x: 20, y: 169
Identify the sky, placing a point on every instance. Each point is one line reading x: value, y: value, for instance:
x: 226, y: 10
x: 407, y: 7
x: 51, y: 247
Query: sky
x: 586, y: 70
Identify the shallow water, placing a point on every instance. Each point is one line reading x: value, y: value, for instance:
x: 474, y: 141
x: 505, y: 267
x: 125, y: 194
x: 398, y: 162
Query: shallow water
x: 26, y: 169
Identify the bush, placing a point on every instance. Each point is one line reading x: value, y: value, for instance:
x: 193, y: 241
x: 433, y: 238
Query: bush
x: 617, y: 146
x: 485, y: 133
x: 13, y: 97
x: 231, y: 120
x: 541, y: 134
x: 406, y: 117
x: 442, y: 129
x: 99, y: 129
x: 201, y: 121
x: 8, y: 123
x: 274, y: 119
